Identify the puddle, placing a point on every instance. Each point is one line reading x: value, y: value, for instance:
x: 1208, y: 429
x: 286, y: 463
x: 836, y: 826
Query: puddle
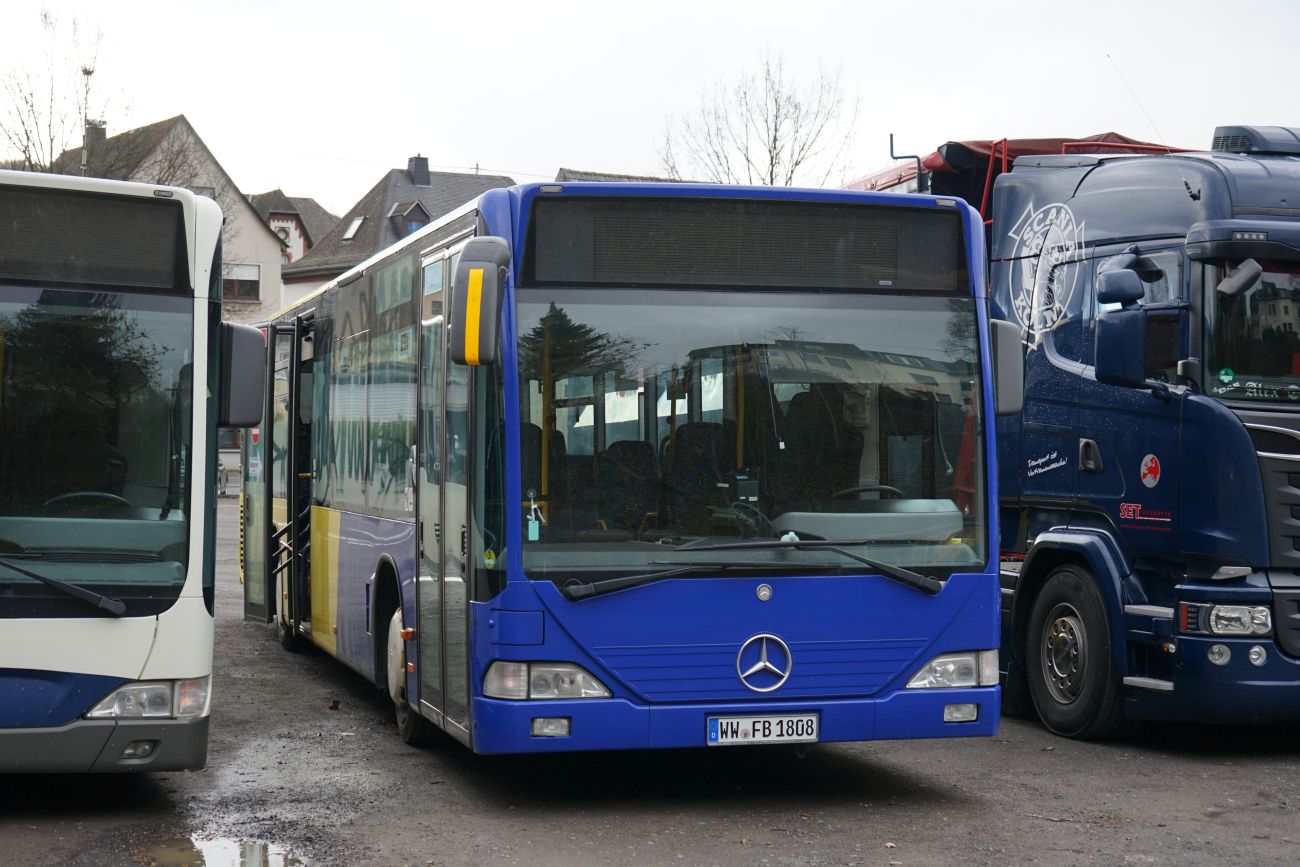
x: 203, y: 851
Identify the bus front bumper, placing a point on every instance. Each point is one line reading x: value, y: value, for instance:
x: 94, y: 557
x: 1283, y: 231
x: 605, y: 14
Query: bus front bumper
x: 618, y: 724
x: 104, y: 746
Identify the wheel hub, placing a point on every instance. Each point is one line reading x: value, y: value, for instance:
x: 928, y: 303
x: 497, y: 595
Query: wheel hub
x: 1064, y: 651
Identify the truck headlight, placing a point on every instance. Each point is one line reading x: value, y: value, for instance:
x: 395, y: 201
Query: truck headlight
x: 954, y: 670
x: 161, y: 699
x: 1238, y: 620
x: 541, y: 680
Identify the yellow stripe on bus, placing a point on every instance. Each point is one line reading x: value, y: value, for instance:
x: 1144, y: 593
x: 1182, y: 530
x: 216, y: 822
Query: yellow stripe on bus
x: 473, y: 307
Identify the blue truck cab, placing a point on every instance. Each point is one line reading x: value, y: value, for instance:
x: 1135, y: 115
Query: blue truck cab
x: 1150, y: 486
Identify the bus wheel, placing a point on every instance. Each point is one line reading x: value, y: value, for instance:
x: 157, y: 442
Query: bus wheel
x: 413, y: 728
x: 290, y: 640
x: 1068, y: 658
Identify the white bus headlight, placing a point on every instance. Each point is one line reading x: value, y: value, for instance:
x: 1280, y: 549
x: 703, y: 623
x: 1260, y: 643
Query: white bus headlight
x: 952, y: 670
x: 540, y: 680
x: 136, y: 701
x: 163, y: 699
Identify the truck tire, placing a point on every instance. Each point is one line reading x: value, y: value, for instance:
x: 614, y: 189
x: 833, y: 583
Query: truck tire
x: 1068, y: 658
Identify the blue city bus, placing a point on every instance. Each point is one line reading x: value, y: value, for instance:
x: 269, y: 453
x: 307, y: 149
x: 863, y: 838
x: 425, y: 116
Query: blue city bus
x: 611, y: 466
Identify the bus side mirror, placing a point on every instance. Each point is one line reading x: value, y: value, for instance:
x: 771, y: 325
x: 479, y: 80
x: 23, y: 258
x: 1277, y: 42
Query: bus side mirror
x: 476, y: 293
x: 1008, y: 367
x: 243, y: 376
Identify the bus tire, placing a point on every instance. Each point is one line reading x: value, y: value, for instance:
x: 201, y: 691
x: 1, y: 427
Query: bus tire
x: 290, y: 640
x: 411, y: 727
x: 1068, y: 658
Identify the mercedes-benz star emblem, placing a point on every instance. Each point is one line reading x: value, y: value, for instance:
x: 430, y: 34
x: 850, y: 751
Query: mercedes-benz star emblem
x: 764, y: 663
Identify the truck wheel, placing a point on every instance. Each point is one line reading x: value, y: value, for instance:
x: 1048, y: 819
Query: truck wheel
x: 413, y: 728
x: 1068, y: 658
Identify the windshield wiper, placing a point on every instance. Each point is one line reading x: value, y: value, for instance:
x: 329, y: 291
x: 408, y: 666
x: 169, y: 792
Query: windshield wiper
x: 111, y: 604
x: 924, y: 583
x: 576, y: 589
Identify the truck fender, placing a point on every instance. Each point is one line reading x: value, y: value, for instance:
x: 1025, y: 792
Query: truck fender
x: 1095, y: 549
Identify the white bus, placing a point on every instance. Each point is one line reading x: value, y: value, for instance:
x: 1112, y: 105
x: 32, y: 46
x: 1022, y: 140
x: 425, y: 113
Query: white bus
x: 115, y: 374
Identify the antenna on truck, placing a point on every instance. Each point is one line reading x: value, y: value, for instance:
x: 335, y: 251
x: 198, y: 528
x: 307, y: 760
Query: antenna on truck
x: 1195, y: 195
x: 922, y: 183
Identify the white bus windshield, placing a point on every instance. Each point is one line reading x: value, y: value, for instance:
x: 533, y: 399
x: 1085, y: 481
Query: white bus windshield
x: 95, y: 410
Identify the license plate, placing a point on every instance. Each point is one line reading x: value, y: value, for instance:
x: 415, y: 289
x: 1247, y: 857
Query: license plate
x: 730, y: 731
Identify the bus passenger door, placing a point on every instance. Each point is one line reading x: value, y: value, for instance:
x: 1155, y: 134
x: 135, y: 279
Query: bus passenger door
x: 255, y: 534
x: 286, y: 486
x: 429, y: 487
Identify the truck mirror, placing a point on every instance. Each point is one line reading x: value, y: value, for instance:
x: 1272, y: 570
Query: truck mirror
x: 1121, y: 346
x: 243, y: 376
x: 1245, y: 275
x: 1120, y: 285
x: 1008, y: 368
x: 476, y: 294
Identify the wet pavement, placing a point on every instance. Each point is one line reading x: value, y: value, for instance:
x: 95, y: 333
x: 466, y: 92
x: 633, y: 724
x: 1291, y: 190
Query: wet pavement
x: 306, y: 768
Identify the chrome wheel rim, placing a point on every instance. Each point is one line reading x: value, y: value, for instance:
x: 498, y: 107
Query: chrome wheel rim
x: 1064, y: 653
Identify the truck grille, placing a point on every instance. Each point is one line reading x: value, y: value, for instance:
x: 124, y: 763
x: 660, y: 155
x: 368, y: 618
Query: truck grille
x: 1286, y: 620
x: 1279, y: 465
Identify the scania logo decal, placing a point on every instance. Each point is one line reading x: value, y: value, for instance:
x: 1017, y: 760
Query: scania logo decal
x: 764, y: 663
x: 1040, y: 289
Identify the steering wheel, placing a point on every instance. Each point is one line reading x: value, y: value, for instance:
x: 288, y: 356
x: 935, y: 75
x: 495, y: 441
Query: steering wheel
x: 741, y: 505
x: 76, y: 496
x: 869, y: 489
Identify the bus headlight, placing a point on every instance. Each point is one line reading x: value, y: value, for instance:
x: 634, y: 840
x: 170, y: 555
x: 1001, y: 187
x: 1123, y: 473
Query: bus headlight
x: 540, y: 680
x: 1238, y: 620
x: 952, y: 670
x: 163, y: 699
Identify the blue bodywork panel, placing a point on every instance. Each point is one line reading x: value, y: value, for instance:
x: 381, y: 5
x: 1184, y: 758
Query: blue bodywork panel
x: 41, y: 699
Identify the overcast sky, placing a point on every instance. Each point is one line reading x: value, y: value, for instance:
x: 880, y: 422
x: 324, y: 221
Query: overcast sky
x: 321, y: 98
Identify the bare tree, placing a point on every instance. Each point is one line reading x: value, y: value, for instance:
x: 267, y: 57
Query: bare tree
x: 764, y: 130
x: 45, y: 108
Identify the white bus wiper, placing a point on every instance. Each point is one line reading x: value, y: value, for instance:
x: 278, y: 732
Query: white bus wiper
x: 111, y: 604
x: 576, y: 589
x: 924, y: 583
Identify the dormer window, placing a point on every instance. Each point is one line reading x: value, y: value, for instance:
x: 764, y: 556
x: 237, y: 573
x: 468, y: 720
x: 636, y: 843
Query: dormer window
x: 352, y: 229
x: 408, y: 217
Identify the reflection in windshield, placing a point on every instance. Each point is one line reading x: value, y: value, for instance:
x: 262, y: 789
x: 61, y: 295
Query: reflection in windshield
x: 726, y: 416
x: 94, y: 433
x: 1253, y: 336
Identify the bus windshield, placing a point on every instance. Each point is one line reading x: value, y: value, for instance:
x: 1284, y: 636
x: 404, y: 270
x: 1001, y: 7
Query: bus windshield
x: 95, y: 411
x: 662, y: 419
x: 1253, y: 336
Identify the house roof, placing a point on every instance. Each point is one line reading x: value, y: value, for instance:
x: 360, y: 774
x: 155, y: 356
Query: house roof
x: 118, y: 157
x: 316, y: 221
x: 446, y: 191
x: 580, y: 175
x: 123, y: 157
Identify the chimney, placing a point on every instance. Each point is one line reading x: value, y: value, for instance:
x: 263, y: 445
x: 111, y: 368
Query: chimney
x: 418, y: 168
x: 96, y: 133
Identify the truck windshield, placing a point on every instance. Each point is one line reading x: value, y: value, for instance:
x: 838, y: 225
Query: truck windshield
x: 1253, y: 336
x: 95, y: 409
x: 655, y: 418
